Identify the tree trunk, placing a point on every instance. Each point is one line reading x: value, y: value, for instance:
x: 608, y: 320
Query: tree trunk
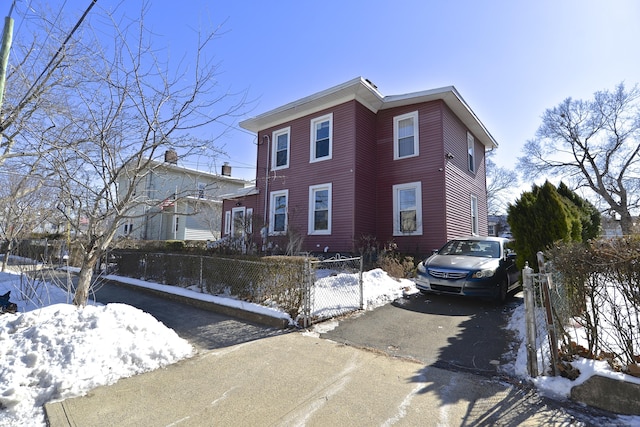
x: 84, y: 280
x: 626, y: 224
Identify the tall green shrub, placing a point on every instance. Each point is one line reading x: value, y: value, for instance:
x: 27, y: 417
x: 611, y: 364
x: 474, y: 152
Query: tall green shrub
x: 544, y: 216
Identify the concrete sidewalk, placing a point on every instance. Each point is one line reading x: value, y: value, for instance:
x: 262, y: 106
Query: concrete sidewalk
x: 294, y: 379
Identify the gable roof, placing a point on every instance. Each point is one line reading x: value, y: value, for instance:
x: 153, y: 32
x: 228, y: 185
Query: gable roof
x: 363, y: 91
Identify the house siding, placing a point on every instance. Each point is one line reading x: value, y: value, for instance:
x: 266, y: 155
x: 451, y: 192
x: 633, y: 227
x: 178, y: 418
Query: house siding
x: 362, y: 170
x: 366, y: 170
x: 425, y: 168
x: 301, y: 174
x: 461, y: 183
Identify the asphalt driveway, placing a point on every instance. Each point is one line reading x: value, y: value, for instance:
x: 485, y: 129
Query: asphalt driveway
x: 453, y: 333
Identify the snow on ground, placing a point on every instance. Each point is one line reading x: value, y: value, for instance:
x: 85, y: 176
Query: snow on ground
x: 51, y: 350
x: 61, y: 351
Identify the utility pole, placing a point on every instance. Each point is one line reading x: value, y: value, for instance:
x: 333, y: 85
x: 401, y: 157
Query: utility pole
x: 7, y: 37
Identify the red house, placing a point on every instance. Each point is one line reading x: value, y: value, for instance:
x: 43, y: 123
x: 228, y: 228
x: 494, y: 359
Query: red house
x: 348, y: 164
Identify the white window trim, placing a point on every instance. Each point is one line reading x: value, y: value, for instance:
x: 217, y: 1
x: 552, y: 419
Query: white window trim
x: 249, y: 218
x: 233, y: 221
x: 227, y: 222
x: 272, y: 213
x: 312, y: 191
x: 417, y: 186
x: 471, y: 152
x: 416, y: 133
x: 474, y: 215
x: 312, y: 147
x: 274, y: 147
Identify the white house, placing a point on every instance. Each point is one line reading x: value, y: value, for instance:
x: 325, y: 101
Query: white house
x: 178, y: 203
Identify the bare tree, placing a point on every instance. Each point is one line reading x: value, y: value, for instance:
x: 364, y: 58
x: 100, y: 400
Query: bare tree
x: 593, y: 144
x: 129, y: 107
x: 500, y: 185
x: 24, y: 207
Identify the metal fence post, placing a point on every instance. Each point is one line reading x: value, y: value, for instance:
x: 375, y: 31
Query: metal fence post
x: 361, y: 284
x: 553, y: 342
x: 530, y: 320
x: 201, y: 274
x: 306, y: 294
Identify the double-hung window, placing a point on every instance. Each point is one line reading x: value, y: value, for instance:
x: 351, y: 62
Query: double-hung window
x: 321, y: 138
x: 471, y: 152
x: 280, y: 150
x: 278, y: 212
x: 320, y: 209
x: 407, y: 209
x: 405, y: 136
x: 474, y: 215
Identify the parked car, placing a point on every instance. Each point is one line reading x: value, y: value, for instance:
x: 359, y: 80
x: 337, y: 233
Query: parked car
x: 471, y: 266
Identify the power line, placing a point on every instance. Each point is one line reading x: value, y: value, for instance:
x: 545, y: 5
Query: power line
x: 64, y: 43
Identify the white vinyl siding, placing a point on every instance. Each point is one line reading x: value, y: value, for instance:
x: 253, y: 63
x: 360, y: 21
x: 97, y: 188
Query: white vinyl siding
x: 407, y: 209
x: 405, y: 136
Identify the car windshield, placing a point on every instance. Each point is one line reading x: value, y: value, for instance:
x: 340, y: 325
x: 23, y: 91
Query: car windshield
x: 479, y: 248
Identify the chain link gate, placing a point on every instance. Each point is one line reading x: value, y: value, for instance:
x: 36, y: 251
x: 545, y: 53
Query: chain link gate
x: 334, y: 287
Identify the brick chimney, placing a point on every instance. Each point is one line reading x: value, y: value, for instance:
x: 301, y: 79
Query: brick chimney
x: 226, y: 169
x: 171, y: 156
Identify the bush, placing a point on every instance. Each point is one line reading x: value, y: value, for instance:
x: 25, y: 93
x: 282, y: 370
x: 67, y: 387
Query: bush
x: 602, y: 281
x: 396, y: 264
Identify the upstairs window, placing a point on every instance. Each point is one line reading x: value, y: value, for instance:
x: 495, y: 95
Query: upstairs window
x: 407, y: 209
x: 278, y: 217
x: 474, y: 215
x: 405, y: 136
x: 471, y: 152
x: 321, y: 138
x: 280, y: 150
x: 320, y: 209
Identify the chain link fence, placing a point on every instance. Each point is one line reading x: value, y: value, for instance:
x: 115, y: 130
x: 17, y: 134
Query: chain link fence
x: 309, y: 290
x: 335, y: 288
x: 594, y: 319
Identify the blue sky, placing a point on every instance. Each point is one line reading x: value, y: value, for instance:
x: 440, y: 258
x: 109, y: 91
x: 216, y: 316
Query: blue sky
x: 509, y: 59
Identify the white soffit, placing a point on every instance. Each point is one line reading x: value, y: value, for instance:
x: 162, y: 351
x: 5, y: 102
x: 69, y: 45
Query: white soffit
x: 364, y: 92
x: 355, y: 89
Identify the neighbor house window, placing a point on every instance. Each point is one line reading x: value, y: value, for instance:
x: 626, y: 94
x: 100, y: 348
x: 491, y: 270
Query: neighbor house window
x: 227, y: 222
x: 321, y: 138
x: 320, y: 209
x: 471, y: 152
x: 405, y: 136
x: 201, y: 187
x: 407, y: 209
x: 249, y: 221
x: 280, y: 150
x: 278, y: 216
x: 474, y: 215
x: 237, y: 224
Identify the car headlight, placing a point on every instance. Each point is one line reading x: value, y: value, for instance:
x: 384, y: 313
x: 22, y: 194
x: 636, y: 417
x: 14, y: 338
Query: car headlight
x: 482, y: 274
